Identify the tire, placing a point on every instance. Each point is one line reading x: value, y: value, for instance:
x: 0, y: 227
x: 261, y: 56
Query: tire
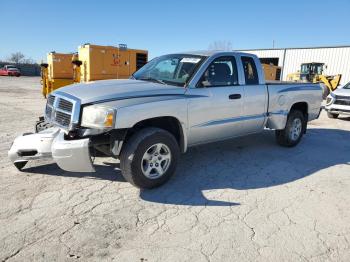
x: 331, y: 115
x: 20, y: 164
x: 287, y: 137
x: 140, y: 154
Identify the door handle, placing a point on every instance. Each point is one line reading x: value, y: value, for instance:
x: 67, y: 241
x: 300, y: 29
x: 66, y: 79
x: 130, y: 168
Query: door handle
x: 234, y: 96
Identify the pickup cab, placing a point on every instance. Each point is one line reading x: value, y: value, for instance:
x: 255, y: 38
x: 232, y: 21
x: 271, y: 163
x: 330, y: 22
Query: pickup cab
x: 10, y: 70
x: 172, y: 103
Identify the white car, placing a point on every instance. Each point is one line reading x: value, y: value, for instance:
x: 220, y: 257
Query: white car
x: 338, y: 102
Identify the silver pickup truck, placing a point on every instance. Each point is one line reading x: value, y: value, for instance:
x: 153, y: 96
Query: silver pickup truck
x: 172, y: 103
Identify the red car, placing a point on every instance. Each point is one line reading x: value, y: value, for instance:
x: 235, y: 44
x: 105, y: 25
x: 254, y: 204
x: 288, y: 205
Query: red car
x: 10, y: 70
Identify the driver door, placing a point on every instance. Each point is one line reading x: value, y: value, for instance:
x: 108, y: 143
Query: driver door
x: 215, y: 106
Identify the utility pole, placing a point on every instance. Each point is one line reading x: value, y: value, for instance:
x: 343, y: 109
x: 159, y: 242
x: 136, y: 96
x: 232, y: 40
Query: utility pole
x: 273, y: 43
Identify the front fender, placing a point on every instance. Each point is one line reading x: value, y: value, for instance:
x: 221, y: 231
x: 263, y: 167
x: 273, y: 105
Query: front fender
x: 128, y: 117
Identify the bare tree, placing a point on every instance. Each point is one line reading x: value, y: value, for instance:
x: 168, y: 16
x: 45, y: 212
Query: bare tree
x: 19, y: 57
x: 27, y: 61
x: 16, y: 57
x: 221, y: 45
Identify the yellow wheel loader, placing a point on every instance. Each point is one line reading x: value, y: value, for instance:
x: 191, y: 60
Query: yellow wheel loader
x: 313, y: 72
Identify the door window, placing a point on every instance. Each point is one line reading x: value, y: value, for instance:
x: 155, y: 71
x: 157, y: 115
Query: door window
x: 221, y: 72
x: 250, y: 72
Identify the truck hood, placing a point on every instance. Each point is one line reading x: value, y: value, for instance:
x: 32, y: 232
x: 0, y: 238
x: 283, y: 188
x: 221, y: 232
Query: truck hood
x: 342, y: 92
x: 109, y: 90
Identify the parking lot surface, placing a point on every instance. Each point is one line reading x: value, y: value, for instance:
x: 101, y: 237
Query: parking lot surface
x: 245, y: 199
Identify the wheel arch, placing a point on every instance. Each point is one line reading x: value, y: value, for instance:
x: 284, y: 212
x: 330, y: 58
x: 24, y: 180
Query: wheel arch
x: 302, y: 107
x: 278, y: 120
x: 168, y: 123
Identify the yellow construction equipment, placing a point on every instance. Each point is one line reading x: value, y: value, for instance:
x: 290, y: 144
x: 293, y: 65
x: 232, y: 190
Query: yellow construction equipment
x: 109, y: 62
x: 272, y: 72
x: 92, y: 62
x: 76, y: 68
x: 314, y: 73
x: 57, y: 72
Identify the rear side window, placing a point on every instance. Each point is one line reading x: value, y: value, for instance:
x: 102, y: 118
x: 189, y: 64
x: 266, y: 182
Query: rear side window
x: 221, y: 72
x: 250, y: 72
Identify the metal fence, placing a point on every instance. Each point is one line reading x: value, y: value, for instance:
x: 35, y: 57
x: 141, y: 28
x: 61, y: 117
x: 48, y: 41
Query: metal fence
x: 26, y: 69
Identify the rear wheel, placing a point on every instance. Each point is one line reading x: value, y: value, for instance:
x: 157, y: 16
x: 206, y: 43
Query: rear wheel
x: 331, y: 115
x: 291, y: 135
x: 149, y: 158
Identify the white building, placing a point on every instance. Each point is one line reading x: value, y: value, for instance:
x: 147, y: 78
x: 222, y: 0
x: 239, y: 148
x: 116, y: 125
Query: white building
x: 336, y: 58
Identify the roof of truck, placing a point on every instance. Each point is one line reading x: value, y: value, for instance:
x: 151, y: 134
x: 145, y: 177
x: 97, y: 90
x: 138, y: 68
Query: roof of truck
x: 209, y: 52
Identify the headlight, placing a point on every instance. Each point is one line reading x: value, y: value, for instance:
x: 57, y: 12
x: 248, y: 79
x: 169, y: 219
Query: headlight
x: 99, y: 117
x: 329, y: 99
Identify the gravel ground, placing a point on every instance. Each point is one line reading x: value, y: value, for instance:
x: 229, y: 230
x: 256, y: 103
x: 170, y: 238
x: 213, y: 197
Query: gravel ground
x: 241, y: 200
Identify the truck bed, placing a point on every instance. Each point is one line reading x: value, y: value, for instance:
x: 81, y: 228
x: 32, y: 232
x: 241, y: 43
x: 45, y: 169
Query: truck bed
x: 282, y: 95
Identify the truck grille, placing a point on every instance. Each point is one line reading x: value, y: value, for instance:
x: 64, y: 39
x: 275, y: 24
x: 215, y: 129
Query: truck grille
x: 342, y: 100
x: 62, y: 119
x: 59, y: 111
x: 65, y: 105
x: 50, y: 100
x: 48, y: 110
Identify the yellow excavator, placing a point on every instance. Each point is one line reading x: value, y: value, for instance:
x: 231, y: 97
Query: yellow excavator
x: 313, y: 72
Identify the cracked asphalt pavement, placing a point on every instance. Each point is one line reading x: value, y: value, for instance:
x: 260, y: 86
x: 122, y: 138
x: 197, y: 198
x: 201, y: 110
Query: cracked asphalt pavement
x: 245, y: 199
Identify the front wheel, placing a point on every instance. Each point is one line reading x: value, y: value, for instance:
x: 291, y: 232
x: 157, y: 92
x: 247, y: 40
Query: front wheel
x: 149, y: 157
x: 291, y: 135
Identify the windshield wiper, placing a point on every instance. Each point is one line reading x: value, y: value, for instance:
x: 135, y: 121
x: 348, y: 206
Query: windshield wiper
x: 153, y: 80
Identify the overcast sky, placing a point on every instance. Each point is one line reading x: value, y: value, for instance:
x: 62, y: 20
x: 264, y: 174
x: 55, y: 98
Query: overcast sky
x: 38, y: 27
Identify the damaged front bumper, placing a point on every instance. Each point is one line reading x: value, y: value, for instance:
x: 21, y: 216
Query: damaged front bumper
x: 70, y: 155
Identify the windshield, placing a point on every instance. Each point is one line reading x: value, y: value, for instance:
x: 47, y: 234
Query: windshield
x: 312, y: 69
x: 10, y: 66
x: 317, y: 69
x: 305, y: 68
x: 347, y: 86
x: 170, y: 69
